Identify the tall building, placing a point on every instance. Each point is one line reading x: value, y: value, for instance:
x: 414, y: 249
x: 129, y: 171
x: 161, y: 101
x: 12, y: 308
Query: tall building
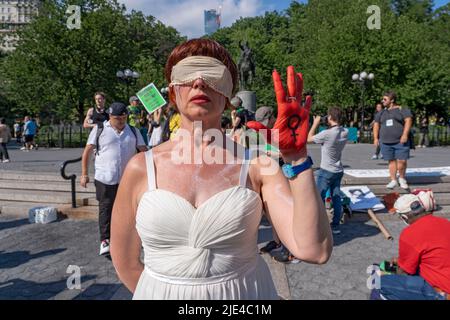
x: 13, y: 15
x: 212, y: 21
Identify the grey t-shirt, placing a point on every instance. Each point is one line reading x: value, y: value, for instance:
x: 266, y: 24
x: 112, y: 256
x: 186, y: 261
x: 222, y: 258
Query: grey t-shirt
x: 391, y: 124
x: 333, y: 141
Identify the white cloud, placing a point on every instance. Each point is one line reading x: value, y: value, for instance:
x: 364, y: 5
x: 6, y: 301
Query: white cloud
x: 187, y: 16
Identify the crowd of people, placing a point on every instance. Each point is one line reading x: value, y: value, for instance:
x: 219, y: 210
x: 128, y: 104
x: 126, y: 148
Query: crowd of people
x: 150, y: 205
x: 198, y: 224
x: 24, y: 132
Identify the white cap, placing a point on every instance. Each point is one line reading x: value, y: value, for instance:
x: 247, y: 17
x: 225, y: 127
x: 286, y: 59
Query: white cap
x: 425, y: 198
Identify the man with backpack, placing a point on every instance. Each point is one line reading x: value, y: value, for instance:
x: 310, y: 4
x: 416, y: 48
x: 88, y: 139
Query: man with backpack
x: 391, y: 131
x: 115, y: 143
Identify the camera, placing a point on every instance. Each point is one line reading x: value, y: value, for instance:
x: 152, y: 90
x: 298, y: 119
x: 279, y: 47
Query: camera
x: 324, y: 120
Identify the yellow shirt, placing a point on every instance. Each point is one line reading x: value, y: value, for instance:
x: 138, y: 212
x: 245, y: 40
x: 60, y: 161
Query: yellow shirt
x: 174, y: 124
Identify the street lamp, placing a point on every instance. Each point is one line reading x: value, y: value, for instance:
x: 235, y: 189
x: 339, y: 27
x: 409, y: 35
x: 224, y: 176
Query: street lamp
x: 129, y: 77
x: 363, y: 79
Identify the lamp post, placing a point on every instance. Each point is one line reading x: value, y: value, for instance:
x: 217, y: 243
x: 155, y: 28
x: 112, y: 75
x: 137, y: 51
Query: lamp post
x: 129, y: 77
x: 363, y: 79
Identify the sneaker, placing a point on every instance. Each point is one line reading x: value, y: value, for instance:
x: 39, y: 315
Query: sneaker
x: 335, y: 229
x: 271, y: 246
x: 374, y: 157
x: 104, y: 247
x: 284, y: 256
x: 6, y: 160
x: 403, y: 183
x: 23, y: 148
x: 392, y: 184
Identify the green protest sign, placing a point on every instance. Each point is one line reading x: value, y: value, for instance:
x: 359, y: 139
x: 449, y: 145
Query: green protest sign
x: 151, y: 98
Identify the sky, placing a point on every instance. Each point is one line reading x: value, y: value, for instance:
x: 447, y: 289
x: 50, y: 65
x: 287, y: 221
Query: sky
x: 188, y: 18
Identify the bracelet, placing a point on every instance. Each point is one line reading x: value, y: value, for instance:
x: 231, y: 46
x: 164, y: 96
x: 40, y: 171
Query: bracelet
x: 84, y: 176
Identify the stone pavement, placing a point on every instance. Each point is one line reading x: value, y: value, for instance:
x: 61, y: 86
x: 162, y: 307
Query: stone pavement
x: 344, y: 277
x: 34, y: 258
x: 34, y: 261
x: 356, y: 156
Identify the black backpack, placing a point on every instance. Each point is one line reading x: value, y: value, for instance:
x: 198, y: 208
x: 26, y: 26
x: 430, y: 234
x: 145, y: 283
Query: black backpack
x: 100, y: 127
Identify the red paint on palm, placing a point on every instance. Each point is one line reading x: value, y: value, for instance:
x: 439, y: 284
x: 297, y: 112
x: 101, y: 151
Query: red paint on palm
x: 293, y: 118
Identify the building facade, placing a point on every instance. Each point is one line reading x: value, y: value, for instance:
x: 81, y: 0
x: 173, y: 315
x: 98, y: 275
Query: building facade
x: 13, y: 15
x: 212, y: 21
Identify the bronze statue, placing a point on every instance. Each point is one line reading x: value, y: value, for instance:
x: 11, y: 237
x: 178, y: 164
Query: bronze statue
x: 246, y: 66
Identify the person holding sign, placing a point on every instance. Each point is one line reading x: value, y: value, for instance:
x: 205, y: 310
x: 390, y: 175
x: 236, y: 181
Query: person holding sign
x: 198, y: 222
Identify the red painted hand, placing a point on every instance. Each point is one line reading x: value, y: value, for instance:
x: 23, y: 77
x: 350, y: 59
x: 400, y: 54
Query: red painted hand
x: 293, y: 118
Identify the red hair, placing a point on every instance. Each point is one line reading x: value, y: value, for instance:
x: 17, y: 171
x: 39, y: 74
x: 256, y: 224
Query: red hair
x: 200, y: 47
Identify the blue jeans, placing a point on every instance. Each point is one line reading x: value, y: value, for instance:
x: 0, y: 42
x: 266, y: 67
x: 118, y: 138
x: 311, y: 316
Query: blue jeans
x: 395, y: 151
x: 403, y: 287
x: 144, y: 132
x: 332, y: 181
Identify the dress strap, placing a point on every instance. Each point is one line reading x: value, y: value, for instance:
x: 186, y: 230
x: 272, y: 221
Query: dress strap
x: 150, y: 170
x: 244, y: 169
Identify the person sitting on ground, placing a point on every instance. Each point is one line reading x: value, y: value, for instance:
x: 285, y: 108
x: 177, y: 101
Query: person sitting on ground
x: 423, y: 263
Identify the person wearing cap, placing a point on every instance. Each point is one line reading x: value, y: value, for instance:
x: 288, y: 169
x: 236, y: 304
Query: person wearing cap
x: 423, y: 263
x: 137, y: 117
x: 116, y: 144
x: 134, y: 113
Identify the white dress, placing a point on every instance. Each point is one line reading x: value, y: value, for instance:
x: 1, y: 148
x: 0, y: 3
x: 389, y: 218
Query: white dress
x: 204, y: 253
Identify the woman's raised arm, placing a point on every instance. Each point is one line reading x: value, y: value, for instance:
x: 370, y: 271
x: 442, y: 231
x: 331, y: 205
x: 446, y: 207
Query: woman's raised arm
x: 294, y: 206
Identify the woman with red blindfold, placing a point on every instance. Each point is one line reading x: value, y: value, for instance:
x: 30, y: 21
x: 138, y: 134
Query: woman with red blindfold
x: 198, y: 219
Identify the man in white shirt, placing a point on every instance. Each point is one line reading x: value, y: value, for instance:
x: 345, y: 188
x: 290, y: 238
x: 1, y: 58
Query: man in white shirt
x: 115, y: 143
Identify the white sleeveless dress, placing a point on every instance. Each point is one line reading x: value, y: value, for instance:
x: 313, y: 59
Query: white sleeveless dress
x: 204, y: 253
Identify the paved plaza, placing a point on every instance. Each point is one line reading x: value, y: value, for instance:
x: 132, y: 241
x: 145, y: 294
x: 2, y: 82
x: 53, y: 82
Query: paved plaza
x: 355, y: 156
x: 35, y: 258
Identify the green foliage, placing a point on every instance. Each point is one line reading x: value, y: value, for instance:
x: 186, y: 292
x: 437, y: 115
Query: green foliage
x: 55, y: 70
x: 329, y: 41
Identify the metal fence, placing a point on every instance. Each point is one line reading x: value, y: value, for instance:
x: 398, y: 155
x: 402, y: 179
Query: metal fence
x: 62, y: 136
x: 75, y: 136
x: 437, y: 136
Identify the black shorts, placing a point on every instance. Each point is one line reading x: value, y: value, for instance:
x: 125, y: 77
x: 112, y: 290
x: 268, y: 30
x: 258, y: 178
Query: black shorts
x: 29, y: 137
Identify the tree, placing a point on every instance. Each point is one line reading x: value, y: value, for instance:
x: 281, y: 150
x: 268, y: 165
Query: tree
x: 329, y: 40
x: 57, y: 69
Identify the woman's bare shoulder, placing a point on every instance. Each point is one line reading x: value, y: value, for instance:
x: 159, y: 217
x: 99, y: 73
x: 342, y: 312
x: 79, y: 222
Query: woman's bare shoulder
x: 136, y: 167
